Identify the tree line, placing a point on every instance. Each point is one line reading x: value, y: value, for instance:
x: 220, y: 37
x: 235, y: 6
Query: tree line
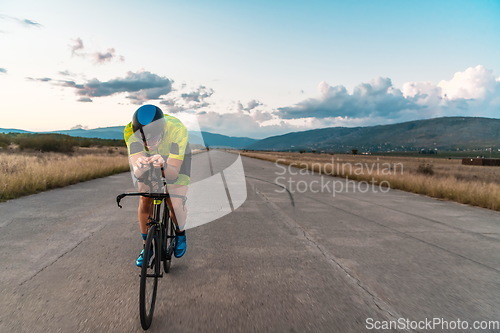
x: 54, y: 142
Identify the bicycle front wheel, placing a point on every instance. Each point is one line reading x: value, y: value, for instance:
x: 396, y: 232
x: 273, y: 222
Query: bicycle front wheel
x: 149, y: 277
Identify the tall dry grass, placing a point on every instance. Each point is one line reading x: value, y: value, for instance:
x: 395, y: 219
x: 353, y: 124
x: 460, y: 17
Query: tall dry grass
x: 435, y: 177
x: 23, y: 173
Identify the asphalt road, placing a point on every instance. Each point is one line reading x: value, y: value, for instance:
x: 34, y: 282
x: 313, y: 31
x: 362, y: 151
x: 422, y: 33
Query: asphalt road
x: 281, y: 262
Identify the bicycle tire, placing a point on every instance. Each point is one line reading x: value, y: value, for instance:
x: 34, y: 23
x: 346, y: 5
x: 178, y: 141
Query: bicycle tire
x: 149, y: 273
x: 169, y: 244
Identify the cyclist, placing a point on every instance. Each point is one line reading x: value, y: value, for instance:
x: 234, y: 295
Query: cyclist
x: 160, y: 140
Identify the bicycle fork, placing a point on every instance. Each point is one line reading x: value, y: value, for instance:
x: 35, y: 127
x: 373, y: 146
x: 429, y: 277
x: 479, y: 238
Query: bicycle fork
x: 157, y: 256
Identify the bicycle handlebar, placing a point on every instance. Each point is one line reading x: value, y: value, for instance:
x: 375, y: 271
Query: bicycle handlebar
x: 147, y: 195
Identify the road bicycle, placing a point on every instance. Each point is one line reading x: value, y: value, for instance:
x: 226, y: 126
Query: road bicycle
x: 160, y: 244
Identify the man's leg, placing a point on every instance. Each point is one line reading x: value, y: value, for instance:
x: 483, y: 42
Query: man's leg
x: 179, y: 213
x: 178, y: 208
x: 143, y: 213
x: 143, y: 216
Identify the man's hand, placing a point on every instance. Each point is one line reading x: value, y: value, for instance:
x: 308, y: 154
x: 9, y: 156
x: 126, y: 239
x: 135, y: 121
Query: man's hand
x: 142, y: 162
x: 157, y: 161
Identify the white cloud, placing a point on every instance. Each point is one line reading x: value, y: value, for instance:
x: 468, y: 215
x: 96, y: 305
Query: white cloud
x: 473, y: 83
x: 411, y: 89
x: 239, y: 124
x: 473, y: 92
x: 187, y: 99
x: 77, y: 49
x: 102, y: 57
x: 76, y: 46
x: 22, y: 21
x: 375, y: 99
x: 141, y: 87
x: 250, y: 105
x: 79, y: 126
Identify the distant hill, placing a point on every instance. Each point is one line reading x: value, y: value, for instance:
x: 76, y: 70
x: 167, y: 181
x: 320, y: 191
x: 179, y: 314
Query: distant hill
x: 116, y: 132
x: 448, y: 133
x: 218, y: 140
x: 13, y: 130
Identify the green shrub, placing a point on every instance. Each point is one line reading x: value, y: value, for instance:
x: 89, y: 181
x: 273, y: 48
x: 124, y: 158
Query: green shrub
x: 58, y: 142
x: 5, y: 140
x: 46, y: 142
x: 426, y: 169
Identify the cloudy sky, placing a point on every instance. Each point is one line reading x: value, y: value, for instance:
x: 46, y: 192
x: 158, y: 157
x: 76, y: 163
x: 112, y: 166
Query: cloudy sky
x: 255, y: 68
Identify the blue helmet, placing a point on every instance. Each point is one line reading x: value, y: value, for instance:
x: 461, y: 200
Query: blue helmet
x: 149, y: 121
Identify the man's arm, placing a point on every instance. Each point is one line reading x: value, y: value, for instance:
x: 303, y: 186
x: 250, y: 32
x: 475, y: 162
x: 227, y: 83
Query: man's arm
x: 177, y: 151
x: 173, y: 168
x: 138, y: 163
x: 172, y: 165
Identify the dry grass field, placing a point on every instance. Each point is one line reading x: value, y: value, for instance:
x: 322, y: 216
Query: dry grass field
x: 440, y: 178
x: 23, y: 173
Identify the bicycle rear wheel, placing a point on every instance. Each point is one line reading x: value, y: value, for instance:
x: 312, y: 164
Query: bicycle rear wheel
x: 149, y: 277
x: 169, y: 242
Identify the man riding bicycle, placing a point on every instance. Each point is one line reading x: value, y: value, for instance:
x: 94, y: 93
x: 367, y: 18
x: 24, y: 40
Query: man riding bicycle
x: 160, y: 141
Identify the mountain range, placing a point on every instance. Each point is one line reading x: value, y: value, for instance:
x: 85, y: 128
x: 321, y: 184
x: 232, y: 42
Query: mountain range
x: 446, y: 133
x: 116, y: 132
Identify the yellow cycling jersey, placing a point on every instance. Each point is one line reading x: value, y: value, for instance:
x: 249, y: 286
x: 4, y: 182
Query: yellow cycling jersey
x: 173, y: 144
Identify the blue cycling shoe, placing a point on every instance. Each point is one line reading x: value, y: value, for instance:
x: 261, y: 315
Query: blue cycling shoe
x: 140, y: 259
x: 180, y: 245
